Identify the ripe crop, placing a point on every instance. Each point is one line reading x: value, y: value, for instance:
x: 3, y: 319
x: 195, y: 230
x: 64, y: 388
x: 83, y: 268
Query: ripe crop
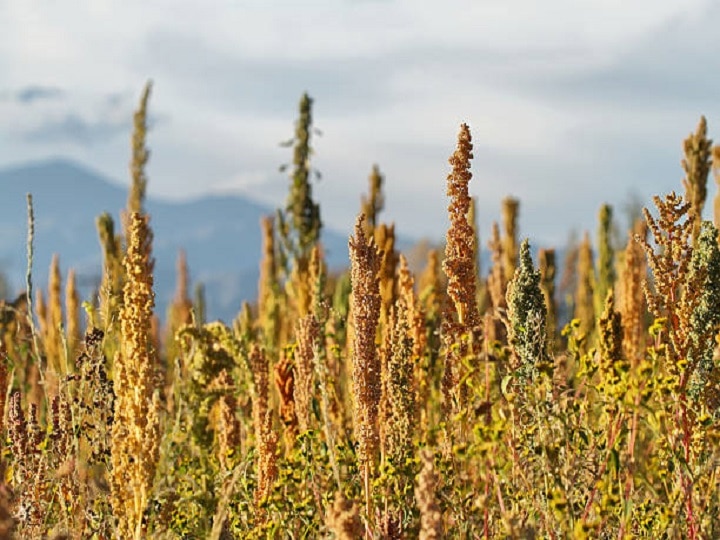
x: 376, y: 403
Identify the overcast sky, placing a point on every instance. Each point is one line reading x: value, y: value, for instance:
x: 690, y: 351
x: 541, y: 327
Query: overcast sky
x: 571, y: 103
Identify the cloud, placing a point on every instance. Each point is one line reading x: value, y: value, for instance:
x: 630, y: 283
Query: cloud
x: 73, y: 128
x: 82, y: 120
x: 674, y: 65
x: 567, y: 100
x: 117, y: 100
x: 216, y: 75
x: 262, y: 86
x: 31, y: 94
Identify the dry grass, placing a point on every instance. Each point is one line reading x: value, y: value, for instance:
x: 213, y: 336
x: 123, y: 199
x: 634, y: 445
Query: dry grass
x: 366, y: 406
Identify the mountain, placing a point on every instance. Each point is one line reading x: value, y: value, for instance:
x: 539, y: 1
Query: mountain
x: 220, y: 234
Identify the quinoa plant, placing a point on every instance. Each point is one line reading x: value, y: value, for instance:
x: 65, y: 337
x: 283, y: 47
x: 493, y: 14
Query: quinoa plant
x: 378, y: 401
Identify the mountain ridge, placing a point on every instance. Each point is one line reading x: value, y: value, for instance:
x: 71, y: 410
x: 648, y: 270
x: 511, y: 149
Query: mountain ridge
x: 220, y: 234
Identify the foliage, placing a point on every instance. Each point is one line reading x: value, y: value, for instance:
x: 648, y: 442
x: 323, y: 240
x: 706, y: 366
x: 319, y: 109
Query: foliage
x: 362, y: 405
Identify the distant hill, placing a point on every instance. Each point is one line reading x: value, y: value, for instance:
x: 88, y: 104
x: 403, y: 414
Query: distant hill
x: 220, y: 234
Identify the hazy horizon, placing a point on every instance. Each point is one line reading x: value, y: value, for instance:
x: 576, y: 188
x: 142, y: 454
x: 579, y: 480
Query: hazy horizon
x: 569, y: 105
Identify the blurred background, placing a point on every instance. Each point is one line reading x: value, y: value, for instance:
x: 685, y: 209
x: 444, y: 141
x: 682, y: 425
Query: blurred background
x: 571, y: 104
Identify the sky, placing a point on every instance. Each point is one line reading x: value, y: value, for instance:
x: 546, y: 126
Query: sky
x: 571, y: 103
